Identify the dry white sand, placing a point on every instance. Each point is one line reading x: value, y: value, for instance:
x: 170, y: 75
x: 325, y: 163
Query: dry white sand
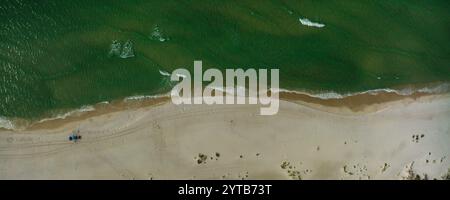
x: 164, y: 142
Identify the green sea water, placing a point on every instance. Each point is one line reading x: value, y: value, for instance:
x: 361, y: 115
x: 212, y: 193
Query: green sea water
x: 56, y: 54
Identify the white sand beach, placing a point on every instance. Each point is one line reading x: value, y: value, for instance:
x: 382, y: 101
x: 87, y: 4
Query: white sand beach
x: 392, y: 140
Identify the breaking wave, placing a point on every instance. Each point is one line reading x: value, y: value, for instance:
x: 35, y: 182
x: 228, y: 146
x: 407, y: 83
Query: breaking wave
x: 164, y: 73
x: 10, y: 124
x: 437, y: 89
x: 142, y: 97
x: 76, y: 112
x: 6, y: 123
x: 122, y: 51
x: 307, y: 22
x: 158, y: 35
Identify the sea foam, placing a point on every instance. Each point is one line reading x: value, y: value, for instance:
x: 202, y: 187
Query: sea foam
x: 125, y: 51
x: 69, y: 114
x: 6, y: 123
x: 164, y: 73
x: 436, y: 89
x: 158, y: 35
x: 9, y: 124
x: 142, y: 97
x: 308, y: 22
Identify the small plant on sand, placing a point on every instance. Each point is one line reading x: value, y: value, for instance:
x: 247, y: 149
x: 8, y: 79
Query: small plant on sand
x: 202, y: 158
x: 285, y: 164
x: 414, y: 176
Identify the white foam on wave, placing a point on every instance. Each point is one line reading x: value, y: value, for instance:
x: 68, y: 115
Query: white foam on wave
x: 69, y: 114
x: 6, y: 123
x: 103, y: 102
x: 437, y: 89
x: 127, y: 50
x: 142, y: 97
x: 307, y: 22
x: 115, y: 48
x: 9, y: 124
x: 164, y: 73
x: 158, y: 35
x: 121, y: 51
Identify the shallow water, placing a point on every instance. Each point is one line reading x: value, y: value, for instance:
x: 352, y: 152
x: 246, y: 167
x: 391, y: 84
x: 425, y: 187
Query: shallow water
x: 58, y: 55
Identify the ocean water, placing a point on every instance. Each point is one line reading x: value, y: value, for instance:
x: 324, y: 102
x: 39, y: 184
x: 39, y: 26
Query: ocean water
x: 61, y: 55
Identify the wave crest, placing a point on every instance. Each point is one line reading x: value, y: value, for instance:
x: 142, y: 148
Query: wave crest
x: 142, y: 97
x: 436, y: 89
x: 307, y: 22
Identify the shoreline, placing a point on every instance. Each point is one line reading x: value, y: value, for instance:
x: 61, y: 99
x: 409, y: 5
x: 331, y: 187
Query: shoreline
x: 368, y: 101
x: 303, y: 141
